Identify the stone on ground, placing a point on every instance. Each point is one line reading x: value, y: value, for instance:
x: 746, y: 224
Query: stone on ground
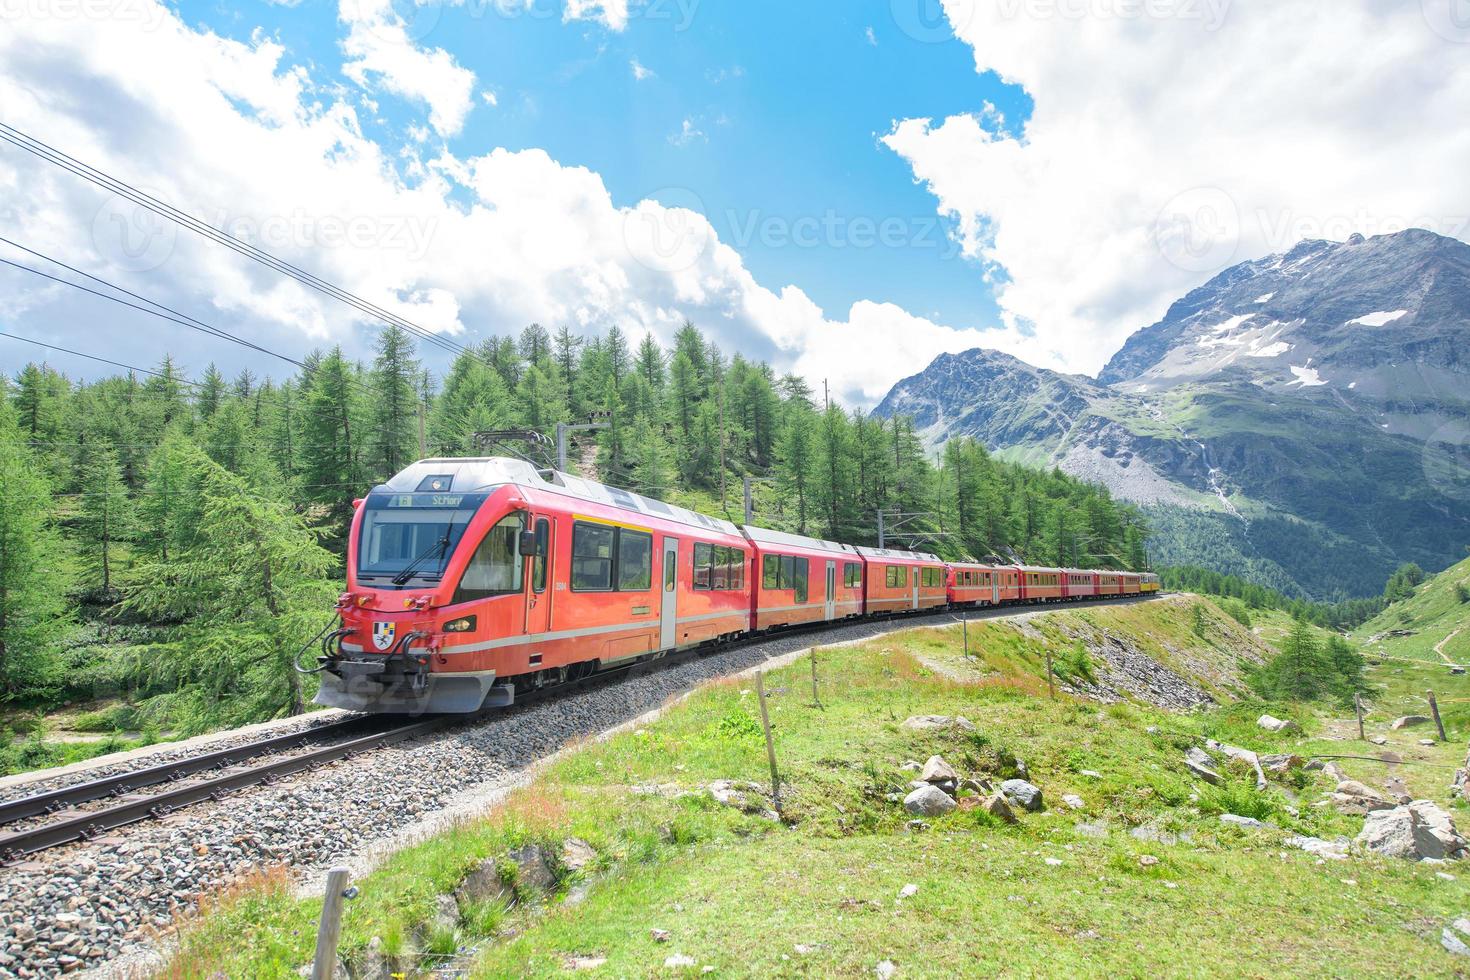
x: 1237, y: 820
x: 1023, y: 794
x: 1413, y: 832
x: 930, y: 801
x: 1408, y: 721
x: 576, y: 854
x: 936, y: 770
x: 927, y: 722
x: 1202, y: 771
x: 997, y: 806
x: 1333, y: 850
x: 1280, y: 763
x: 1073, y: 801
x: 1272, y: 724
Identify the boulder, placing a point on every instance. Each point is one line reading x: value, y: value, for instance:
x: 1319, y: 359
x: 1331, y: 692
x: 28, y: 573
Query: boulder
x: 975, y: 785
x: 533, y: 869
x: 997, y: 806
x: 1073, y: 801
x: 1272, y: 724
x: 744, y: 796
x: 910, y: 765
x: 1413, y: 832
x: 1408, y: 721
x: 1023, y: 794
x: 1333, y: 850
x: 1379, y: 739
x: 1202, y: 771
x: 484, y: 884
x: 576, y: 854
x: 1236, y: 820
x: 928, y: 802
x: 1357, y: 805
x: 1199, y: 756
x: 1351, y: 787
x: 1246, y: 758
x: 921, y: 723
x: 1280, y: 763
x: 446, y: 914
x: 936, y: 770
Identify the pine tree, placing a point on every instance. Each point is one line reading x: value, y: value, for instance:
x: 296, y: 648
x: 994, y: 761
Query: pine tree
x: 535, y: 346
x: 329, y: 433
x: 168, y: 509
x: 247, y: 590
x: 106, y: 515
x: 33, y: 585
x: 211, y: 392
x: 395, y: 403
x: 795, y: 470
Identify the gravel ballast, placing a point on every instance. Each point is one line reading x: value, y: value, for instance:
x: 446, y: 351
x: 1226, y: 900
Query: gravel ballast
x: 81, y: 906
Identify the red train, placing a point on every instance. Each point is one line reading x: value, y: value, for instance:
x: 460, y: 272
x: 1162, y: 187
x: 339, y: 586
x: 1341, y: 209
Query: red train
x: 469, y: 579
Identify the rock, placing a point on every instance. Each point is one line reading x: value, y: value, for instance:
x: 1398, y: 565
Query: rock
x: 1202, y: 771
x: 1379, y: 739
x: 1452, y: 943
x: 1351, y: 787
x: 912, y: 766
x: 1096, y: 829
x: 920, y: 723
x: 1277, y: 724
x: 659, y: 935
x: 806, y: 949
x: 576, y: 854
x: 483, y: 884
x: 1414, y: 832
x: 908, y: 891
x: 936, y: 770
x: 997, y: 806
x: 533, y: 871
x: 885, y: 970
x: 928, y: 802
x: 1199, y: 756
x: 1235, y: 819
x: 679, y: 962
x: 975, y: 785
x: 585, y: 962
x: 1357, y: 805
x: 1073, y: 801
x: 1090, y: 773
x: 1427, y: 741
x: 1280, y: 763
x: 1408, y: 721
x: 744, y: 796
x: 1147, y: 860
x: 1023, y: 794
x: 1314, y: 765
x: 1333, y: 850
x: 446, y: 914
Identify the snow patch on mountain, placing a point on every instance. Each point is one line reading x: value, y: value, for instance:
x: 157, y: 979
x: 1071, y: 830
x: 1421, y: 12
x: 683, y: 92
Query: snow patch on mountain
x: 1306, y: 376
x: 1378, y: 319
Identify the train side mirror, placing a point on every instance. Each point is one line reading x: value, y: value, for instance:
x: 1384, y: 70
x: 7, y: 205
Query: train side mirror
x: 527, y: 545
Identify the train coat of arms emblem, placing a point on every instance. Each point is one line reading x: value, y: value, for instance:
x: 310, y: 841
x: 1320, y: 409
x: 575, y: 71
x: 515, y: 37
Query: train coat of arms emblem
x: 383, y: 634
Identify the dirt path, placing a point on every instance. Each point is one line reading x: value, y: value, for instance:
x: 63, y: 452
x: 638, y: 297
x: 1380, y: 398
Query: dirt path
x: 1439, y: 647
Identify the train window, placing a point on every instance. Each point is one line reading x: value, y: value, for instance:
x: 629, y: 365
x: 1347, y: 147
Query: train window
x: 703, y: 555
x: 897, y: 577
x: 592, y: 557
x: 736, y: 563
x: 799, y: 578
x: 852, y: 575
x: 720, y: 571
x: 543, y: 548
x: 671, y: 572
x: 496, y: 566
x: 771, y: 572
x: 635, y: 560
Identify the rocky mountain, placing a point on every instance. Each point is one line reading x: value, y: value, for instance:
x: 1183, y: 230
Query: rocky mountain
x: 1303, y: 419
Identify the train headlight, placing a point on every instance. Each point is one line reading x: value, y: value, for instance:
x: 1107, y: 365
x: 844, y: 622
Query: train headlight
x: 464, y: 624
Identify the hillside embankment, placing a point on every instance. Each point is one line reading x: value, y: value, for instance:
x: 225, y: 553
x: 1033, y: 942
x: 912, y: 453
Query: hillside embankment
x: 936, y: 814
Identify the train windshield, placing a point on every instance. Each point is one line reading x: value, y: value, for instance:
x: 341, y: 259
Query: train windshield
x: 407, y: 538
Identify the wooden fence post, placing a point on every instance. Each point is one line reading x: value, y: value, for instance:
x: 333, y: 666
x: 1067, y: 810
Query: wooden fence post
x: 1358, y: 707
x: 965, y: 621
x: 816, y: 701
x: 760, y: 693
x: 1434, y: 710
x: 324, y: 966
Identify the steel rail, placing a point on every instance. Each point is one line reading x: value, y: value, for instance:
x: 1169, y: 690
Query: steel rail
x: 91, y: 824
x: 125, y: 782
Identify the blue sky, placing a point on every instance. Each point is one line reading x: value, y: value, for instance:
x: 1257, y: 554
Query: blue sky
x: 786, y: 101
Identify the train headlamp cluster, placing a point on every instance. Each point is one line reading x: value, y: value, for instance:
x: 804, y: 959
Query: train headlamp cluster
x: 464, y: 624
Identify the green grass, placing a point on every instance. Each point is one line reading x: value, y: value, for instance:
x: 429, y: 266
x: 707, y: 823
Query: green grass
x: 739, y: 892
x: 1431, y: 615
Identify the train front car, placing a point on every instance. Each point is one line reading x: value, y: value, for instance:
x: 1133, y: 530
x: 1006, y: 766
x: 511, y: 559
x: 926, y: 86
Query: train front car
x: 411, y: 593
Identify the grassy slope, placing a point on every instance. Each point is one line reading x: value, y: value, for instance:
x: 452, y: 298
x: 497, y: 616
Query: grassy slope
x: 739, y: 893
x: 1430, y: 615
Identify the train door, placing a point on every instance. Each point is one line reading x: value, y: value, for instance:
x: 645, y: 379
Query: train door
x: 669, y: 610
x: 914, y: 586
x: 831, y: 590
x: 995, y: 588
x: 538, y: 593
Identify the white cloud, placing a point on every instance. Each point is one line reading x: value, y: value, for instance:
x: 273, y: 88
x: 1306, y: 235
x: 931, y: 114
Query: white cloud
x: 872, y: 38
x: 612, y: 14
x: 688, y: 133
x: 465, y: 246
x: 640, y: 73
x: 380, y: 51
x: 1232, y: 130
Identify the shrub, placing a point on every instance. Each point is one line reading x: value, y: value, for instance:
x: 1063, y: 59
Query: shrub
x: 1462, y: 592
x: 1074, y: 664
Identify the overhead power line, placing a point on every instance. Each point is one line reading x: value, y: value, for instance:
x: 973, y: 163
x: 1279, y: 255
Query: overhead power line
x: 167, y: 211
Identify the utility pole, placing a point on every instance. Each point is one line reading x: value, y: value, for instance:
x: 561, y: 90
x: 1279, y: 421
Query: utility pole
x: 880, y: 528
x: 749, y: 501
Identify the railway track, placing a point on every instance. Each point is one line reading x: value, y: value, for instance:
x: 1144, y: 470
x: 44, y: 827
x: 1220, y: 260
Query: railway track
x: 213, y: 775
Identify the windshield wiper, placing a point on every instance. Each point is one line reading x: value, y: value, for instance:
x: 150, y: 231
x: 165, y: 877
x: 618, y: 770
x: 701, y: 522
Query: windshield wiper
x: 441, y: 546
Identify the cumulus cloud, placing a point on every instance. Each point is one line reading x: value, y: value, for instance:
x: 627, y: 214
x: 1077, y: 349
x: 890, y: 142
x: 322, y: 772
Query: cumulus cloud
x: 1173, y: 138
x: 612, y: 14
x: 466, y: 246
x: 640, y: 73
x: 381, y: 52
